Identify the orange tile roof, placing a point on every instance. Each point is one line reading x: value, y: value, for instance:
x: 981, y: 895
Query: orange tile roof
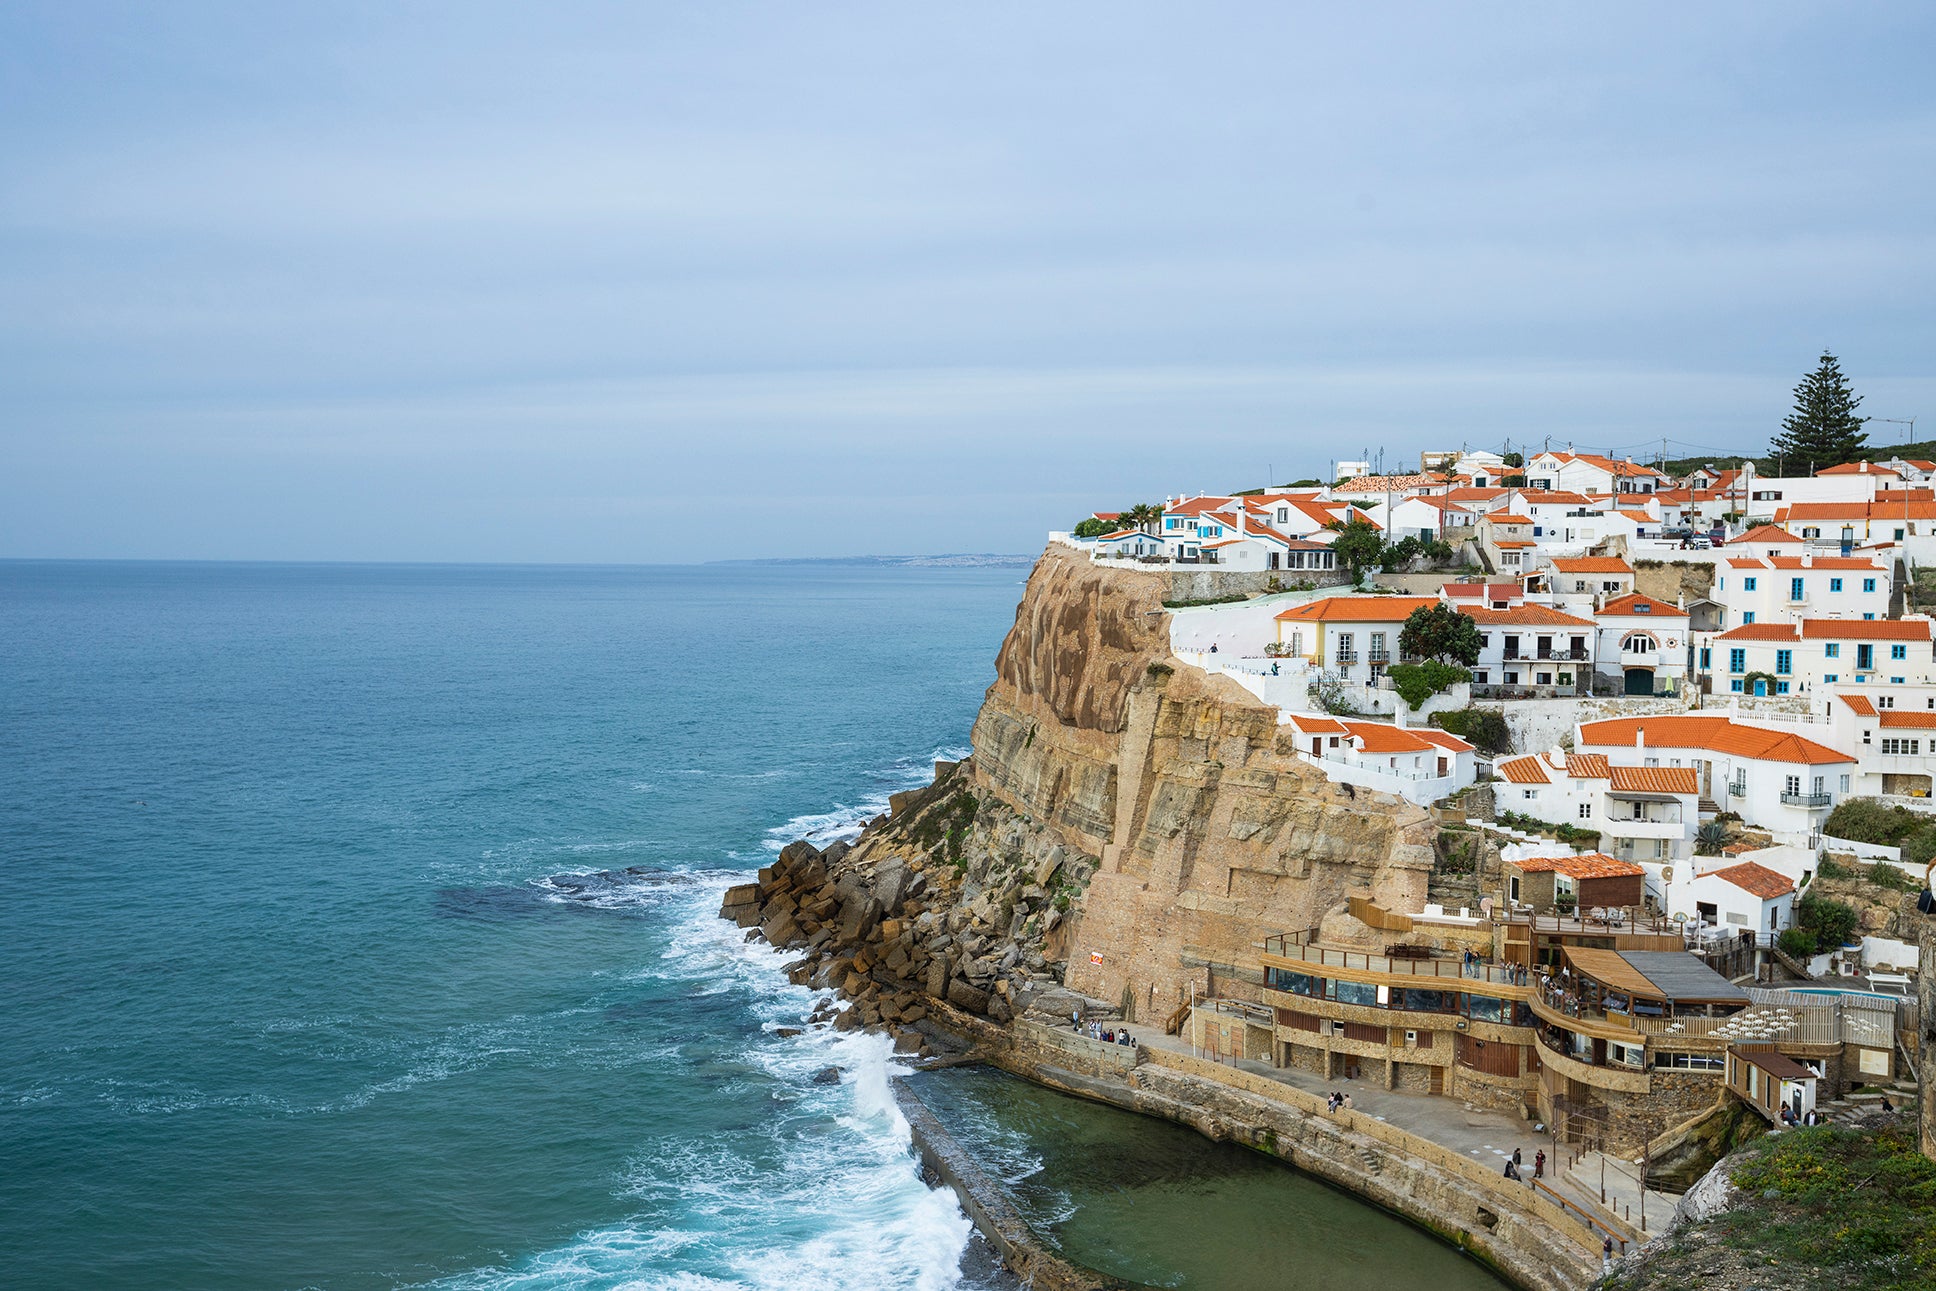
x: 1588, y: 766
x: 1911, y: 720
x: 1510, y: 544
x: 1196, y: 506
x: 1761, y: 632
x: 1656, y: 780
x: 1825, y: 562
x: 1319, y: 725
x: 1527, y: 615
x: 1378, y: 737
x: 1358, y: 609
x: 1593, y: 565
x: 1530, y: 769
x: 1860, y: 703
x: 1444, y: 739
x: 1763, y: 533
x: 1867, y: 629
x: 1859, y: 468
x: 1506, y: 517
x: 1715, y: 734
x: 1593, y: 865
x: 1550, y: 497
x: 1756, y: 880
x: 1632, y: 605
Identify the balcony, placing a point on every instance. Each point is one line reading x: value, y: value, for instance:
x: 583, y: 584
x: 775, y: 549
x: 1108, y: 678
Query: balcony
x: 1561, y: 655
x: 1375, y: 655
x: 1628, y: 828
x: 1290, y: 946
x: 1640, y: 659
x: 1809, y: 800
x: 1344, y: 657
x: 1737, y: 791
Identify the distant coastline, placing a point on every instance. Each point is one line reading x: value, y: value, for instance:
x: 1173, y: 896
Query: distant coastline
x: 957, y: 560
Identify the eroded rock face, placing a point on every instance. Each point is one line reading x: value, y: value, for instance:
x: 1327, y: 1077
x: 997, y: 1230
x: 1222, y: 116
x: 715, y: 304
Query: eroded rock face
x: 1210, y: 830
x: 1127, y: 826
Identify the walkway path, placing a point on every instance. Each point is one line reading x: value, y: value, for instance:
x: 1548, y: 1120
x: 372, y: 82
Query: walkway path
x: 1486, y: 1136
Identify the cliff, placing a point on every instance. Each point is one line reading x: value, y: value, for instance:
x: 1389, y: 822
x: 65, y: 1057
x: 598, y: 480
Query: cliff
x: 1127, y: 826
x: 1207, y: 831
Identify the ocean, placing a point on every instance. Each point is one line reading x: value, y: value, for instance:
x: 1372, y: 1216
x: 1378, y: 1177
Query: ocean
x: 359, y: 923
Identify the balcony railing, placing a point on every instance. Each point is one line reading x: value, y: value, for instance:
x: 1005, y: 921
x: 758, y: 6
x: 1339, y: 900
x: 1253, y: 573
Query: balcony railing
x: 1806, y: 799
x: 1289, y: 947
x: 1378, y: 656
x: 1737, y: 791
x: 1562, y: 655
x: 1344, y: 656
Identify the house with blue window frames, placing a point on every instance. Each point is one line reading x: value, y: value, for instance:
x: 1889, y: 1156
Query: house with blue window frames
x: 1787, y: 589
x: 1800, y: 658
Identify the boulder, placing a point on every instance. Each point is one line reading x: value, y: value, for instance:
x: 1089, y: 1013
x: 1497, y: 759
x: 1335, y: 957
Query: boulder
x: 787, y: 1033
x: 849, y: 1020
x: 1049, y: 865
x: 999, y: 1010
x: 966, y: 997
x: 938, y: 978
x: 907, y: 1042
x: 827, y: 1076
x: 794, y: 854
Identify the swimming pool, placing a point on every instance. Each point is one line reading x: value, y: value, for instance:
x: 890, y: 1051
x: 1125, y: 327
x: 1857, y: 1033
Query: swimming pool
x: 1877, y: 996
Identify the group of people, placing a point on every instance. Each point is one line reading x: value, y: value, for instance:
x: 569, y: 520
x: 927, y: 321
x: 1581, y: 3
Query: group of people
x: 1811, y: 1116
x: 1515, y: 973
x: 1097, y: 1031
x: 1516, y: 1162
x: 1338, y: 1099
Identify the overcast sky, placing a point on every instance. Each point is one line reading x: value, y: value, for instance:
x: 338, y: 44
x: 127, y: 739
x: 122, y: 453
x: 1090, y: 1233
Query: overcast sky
x: 675, y: 282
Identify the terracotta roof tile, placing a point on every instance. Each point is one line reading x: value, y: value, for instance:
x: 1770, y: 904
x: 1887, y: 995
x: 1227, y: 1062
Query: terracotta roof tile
x: 1593, y: 565
x: 1761, y: 632
x: 1528, y: 615
x: 1764, y: 533
x: 1593, y: 865
x: 1656, y: 780
x: 1860, y: 703
x: 1868, y: 629
x: 1588, y: 766
x: 1915, y: 721
x: 1632, y: 605
x: 1757, y: 880
x: 1716, y: 734
x: 1358, y: 609
x: 1530, y: 769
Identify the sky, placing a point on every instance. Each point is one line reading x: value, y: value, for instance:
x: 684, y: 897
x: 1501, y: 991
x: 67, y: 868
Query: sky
x: 642, y: 282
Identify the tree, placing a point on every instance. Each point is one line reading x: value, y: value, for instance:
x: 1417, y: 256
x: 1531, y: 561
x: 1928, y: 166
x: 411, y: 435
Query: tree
x: 1143, y: 515
x: 1515, y: 459
x: 1823, y: 430
x: 1440, y: 632
x: 1358, y: 546
x: 1094, y: 528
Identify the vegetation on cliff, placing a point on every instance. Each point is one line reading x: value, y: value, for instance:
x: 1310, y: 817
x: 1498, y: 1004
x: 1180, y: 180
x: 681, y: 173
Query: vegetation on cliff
x: 1822, y: 1209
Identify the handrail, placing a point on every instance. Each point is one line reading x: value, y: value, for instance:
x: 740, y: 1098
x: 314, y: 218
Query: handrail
x: 1592, y: 1220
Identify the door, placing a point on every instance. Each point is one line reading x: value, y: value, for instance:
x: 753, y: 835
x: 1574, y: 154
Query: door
x: 1761, y: 687
x: 1640, y: 681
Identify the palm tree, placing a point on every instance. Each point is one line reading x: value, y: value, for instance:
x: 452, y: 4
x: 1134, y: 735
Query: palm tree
x: 1144, y: 515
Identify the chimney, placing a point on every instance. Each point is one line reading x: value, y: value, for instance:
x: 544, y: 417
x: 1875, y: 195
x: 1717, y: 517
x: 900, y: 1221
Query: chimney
x: 1640, y: 737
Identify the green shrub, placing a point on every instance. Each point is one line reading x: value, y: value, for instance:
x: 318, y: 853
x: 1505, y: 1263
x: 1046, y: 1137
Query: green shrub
x: 1482, y: 727
x: 1831, y: 869
x: 1885, y: 875
x: 1418, y: 682
x: 1796, y: 943
x: 1710, y: 838
x: 1865, y: 820
x: 1832, y: 922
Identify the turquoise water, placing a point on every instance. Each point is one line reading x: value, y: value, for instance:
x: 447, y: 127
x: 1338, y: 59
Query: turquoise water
x: 359, y: 924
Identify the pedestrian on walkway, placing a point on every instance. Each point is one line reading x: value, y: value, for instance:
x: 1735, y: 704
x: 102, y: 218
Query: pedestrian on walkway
x: 1517, y: 1159
x: 1606, y: 1254
x: 1512, y: 1171
x: 1539, y: 1164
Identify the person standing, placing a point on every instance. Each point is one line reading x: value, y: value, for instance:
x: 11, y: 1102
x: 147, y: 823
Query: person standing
x: 1539, y: 1164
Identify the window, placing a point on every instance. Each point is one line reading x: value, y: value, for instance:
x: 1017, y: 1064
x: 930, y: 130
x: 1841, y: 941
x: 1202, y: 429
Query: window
x: 1794, y: 589
x: 1845, y: 784
x: 1868, y: 584
x: 1529, y: 794
x: 1707, y: 658
x: 1868, y: 616
x: 1748, y: 584
x: 1425, y: 1001
x: 1898, y: 652
x: 1895, y: 681
x: 1864, y: 658
x: 1898, y: 535
x: 1689, y: 1062
x: 1900, y: 746
x: 1781, y: 688
x: 1586, y: 811
x: 1483, y: 1008
x: 1735, y: 685
x: 1351, y: 992
x: 1834, y: 584
x: 1830, y: 678
x: 1480, y: 676
x: 1793, y: 783
x: 1747, y: 618
x: 1784, y: 662
x: 1833, y: 650
x: 1737, y: 661
x: 1284, y: 979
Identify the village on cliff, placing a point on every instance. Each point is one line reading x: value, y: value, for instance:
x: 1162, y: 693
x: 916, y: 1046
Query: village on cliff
x: 1641, y: 706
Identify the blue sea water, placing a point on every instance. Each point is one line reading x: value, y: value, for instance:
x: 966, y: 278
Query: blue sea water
x: 359, y: 930
x: 359, y: 921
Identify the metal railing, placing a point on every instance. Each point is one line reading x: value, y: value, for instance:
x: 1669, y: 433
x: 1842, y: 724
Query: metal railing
x: 1563, y: 655
x: 1450, y: 967
x: 1344, y: 656
x: 1806, y: 799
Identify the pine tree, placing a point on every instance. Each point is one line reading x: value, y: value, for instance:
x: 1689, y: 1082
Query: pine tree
x: 1823, y: 430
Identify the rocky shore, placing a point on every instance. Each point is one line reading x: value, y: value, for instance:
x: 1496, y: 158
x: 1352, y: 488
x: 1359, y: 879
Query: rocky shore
x: 947, y: 902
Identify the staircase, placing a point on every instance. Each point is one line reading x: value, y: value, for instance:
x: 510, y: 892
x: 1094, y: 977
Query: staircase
x: 1901, y: 1093
x: 1788, y: 962
x: 1708, y: 807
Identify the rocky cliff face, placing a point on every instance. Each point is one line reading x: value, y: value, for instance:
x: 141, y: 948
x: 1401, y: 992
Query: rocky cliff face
x: 1128, y: 826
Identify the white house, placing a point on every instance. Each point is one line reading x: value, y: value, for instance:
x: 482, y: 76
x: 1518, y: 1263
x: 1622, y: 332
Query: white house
x: 1532, y: 646
x: 1647, y: 815
x: 1354, y: 638
x: 1734, y: 894
x: 1642, y: 646
x: 1893, y: 732
x: 1797, y: 658
x: 1566, y: 520
x: 1591, y: 473
x: 1787, y: 589
x: 1775, y: 779
x: 1417, y: 763
x: 1579, y: 583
